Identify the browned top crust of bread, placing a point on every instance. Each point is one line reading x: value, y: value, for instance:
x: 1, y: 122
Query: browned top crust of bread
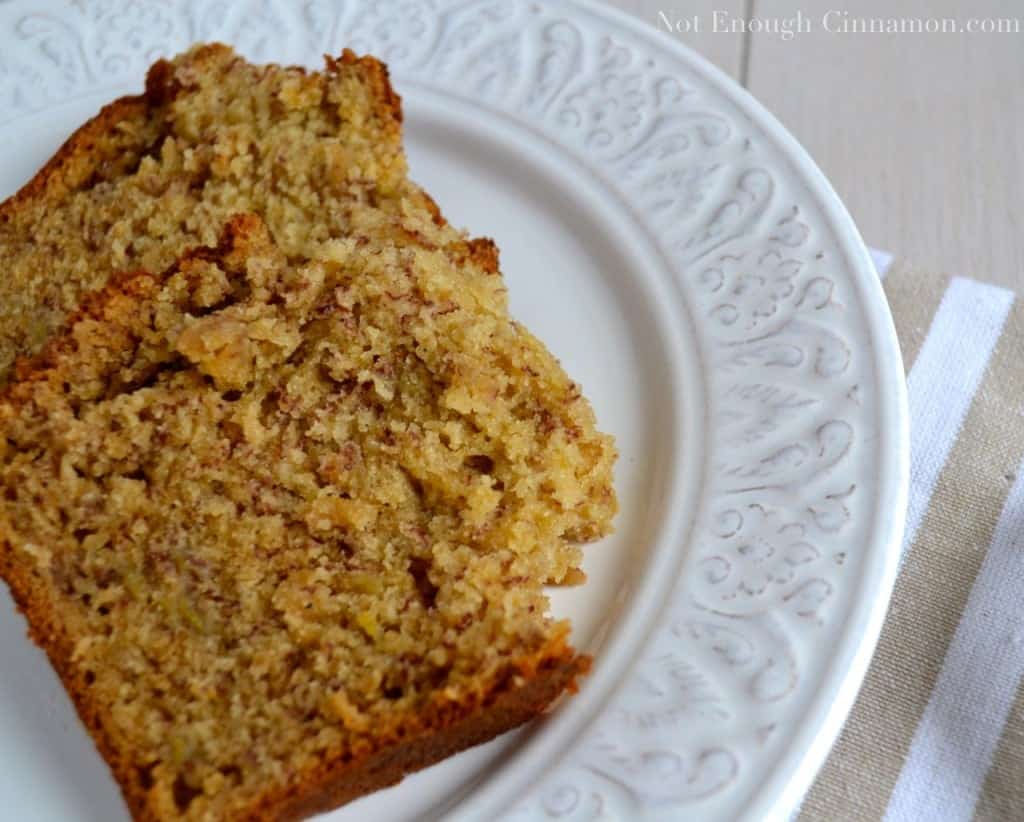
x: 283, y: 524
x: 211, y: 136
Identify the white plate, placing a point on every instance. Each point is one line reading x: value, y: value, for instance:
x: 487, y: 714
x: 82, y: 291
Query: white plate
x: 693, y: 269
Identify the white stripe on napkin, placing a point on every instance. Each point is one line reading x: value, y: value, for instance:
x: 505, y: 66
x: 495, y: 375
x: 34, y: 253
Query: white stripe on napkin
x: 942, y: 383
x: 961, y: 726
x: 882, y: 260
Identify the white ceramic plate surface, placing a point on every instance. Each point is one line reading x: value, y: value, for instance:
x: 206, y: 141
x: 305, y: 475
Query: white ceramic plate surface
x: 691, y: 267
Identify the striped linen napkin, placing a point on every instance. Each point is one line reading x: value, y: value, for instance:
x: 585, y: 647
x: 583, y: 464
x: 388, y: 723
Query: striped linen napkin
x: 937, y: 732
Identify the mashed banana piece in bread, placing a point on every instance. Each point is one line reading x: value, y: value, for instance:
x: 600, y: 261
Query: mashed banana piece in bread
x: 282, y: 523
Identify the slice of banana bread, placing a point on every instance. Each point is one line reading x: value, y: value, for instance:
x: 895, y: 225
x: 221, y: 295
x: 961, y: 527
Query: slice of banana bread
x: 282, y: 524
x: 211, y: 136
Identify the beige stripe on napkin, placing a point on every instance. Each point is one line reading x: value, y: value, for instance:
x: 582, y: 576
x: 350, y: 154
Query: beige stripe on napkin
x: 913, y: 301
x: 936, y: 578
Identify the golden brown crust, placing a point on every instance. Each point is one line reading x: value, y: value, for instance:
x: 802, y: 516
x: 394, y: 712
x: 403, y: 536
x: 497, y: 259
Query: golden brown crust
x: 81, y: 156
x: 389, y: 103
x: 484, y: 253
x: 333, y: 784
x: 433, y: 209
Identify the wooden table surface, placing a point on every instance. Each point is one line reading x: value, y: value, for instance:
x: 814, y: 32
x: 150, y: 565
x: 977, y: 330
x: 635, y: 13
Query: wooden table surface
x: 921, y: 134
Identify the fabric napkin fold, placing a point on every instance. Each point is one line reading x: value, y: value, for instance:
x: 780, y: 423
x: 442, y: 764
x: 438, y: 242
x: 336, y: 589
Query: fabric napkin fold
x: 937, y: 731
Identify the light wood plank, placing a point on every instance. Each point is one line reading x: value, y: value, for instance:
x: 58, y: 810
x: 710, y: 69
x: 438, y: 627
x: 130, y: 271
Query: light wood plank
x: 724, y: 49
x: 921, y: 134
